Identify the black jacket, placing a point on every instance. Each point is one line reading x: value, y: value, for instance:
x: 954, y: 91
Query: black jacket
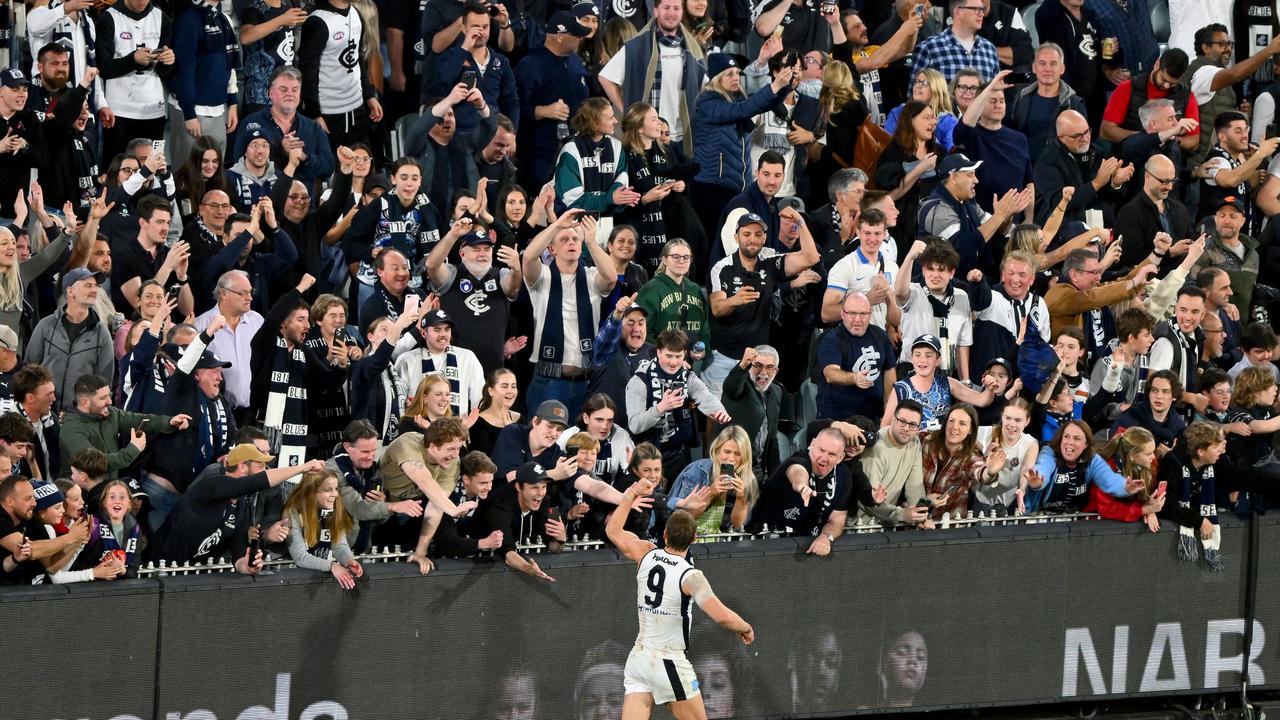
x: 998, y: 27
x: 1139, y: 221
x: 751, y: 410
x: 1137, y: 149
x: 1057, y: 168
x: 213, y: 517
x: 174, y: 454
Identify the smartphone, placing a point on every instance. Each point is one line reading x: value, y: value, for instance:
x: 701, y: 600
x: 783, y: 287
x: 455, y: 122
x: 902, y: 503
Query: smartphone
x: 255, y: 545
x: 827, y: 8
x: 469, y: 79
x: 1019, y: 78
x: 726, y: 469
x: 157, y: 146
x: 411, y: 304
x: 920, y: 10
x: 1161, y: 488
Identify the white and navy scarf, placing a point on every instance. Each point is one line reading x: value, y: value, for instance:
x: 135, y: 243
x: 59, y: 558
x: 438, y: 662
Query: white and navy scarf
x: 323, y: 548
x: 669, y: 41
x: 450, y: 373
x: 676, y: 426
x: 286, y: 417
x: 213, y: 431
x: 393, y: 409
x: 551, y: 354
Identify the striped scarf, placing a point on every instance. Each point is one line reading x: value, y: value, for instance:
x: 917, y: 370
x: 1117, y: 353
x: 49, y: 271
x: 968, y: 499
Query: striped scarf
x: 286, y: 417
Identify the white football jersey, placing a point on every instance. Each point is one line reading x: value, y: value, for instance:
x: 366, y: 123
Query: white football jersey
x: 664, y: 609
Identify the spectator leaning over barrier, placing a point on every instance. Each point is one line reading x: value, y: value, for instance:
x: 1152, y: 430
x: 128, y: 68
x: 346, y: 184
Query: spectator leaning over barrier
x: 460, y: 536
x: 1079, y: 298
x: 355, y: 460
x: 21, y: 551
x: 712, y: 487
x: 318, y: 527
x: 425, y: 464
x: 1191, y: 474
x: 895, y: 463
x: 214, y: 517
x: 95, y: 423
x: 1067, y: 466
x: 1132, y: 453
x: 809, y: 494
x: 278, y: 388
x: 519, y: 510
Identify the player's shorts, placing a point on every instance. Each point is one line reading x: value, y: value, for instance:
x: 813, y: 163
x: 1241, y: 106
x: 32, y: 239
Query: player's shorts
x: 667, y: 678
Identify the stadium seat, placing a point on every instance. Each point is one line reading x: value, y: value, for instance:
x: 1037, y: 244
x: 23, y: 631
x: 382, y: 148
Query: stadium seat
x: 1160, y: 22
x: 398, y: 134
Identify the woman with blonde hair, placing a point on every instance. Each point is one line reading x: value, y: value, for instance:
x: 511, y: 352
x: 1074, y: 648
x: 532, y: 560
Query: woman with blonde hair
x: 17, y: 296
x: 1009, y: 450
x: 705, y: 487
x: 1132, y: 454
x: 647, y: 168
x: 930, y: 88
x: 318, y: 527
x: 583, y: 178
x: 609, y: 41
x: 722, y: 124
x: 843, y: 112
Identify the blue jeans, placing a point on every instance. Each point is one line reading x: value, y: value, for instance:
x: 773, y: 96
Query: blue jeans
x: 715, y: 373
x: 572, y: 394
x: 162, y: 501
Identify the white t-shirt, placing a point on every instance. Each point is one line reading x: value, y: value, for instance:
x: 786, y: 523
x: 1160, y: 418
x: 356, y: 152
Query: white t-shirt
x: 1202, y: 82
x: 855, y: 272
x: 540, y: 294
x: 1188, y: 16
x: 672, y: 60
x: 470, y: 376
x: 917, y: 320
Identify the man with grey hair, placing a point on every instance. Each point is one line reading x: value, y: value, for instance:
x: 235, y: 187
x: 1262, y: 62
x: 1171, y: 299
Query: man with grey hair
x: 1161, y: 129
x: 855, y: 363
x: 1036, y: 105
x: 754, y: 401
x: 285, y: 128
x: 1083, y: 301
x: 233, y: 295
x: 835, y: 225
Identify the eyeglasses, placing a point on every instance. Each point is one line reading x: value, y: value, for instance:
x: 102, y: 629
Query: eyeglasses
x: 812, y: 61
x: 1161, y: 180
x: 974, y: 8
x: 760, y: 367
x: 241, y: 293
x: 361, y: 159
x: 920, y: 83
x: 905, y: 424
x: 299, y: 197
x: 847, y: 313
x: 679, y: 257
x: 966, y: 89
x: 1223, y: 43
x: 128, y: 170
x: 217, y: 206
x: 1095, y: 271
x: 1078, y: 136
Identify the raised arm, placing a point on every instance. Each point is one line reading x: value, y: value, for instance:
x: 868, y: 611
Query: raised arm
x: 624, y: 540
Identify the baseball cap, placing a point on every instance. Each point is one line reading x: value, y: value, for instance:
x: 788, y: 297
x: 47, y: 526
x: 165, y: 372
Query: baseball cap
x: 553, y: 411
x: 566, y: 22
x: 751, y: 219
x: 377, y: 180
x: 8, y: 338
x: 635, y: 308
x: 476, y: 237
x: 719, y: 62
x: 1231, y: 200
x: 247, y: 452
x: 929, y: 341
x: 531, y: 473
x: 209, y: 360
x: 75, y: 275
x: 585, y: 8
x: 135, y: 489
x: 437, y: 317
x: 1001, y: 362
x: 13, y: 78
x: 47, y: 494
x: 957, y: 162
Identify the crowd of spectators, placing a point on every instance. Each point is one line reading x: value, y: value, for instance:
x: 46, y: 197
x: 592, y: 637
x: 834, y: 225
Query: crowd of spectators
x: 284, y: 278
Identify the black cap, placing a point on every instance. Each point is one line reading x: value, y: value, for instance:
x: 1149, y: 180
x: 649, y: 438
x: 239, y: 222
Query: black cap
x: 531, y: 473
x: 209, y: 360
x: 376, y: 180
x: 13, y: 78
x: 1231, y: 200
x: 929, y: 341
x: 476, y: 237
x: 635, y: 308
x: 1001, y: 362
x: 437, y: 317
x: 566, y: 22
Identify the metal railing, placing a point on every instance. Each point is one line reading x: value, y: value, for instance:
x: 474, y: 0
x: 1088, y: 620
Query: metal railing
x: 857, y: 526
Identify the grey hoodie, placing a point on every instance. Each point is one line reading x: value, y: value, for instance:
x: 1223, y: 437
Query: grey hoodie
x: 246, y: 189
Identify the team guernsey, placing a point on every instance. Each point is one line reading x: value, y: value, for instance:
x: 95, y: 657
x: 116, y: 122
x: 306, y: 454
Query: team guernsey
x: 657, y: 663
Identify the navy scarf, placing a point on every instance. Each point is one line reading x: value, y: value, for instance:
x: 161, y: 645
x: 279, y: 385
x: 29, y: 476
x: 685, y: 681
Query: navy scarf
x: 552, y: 350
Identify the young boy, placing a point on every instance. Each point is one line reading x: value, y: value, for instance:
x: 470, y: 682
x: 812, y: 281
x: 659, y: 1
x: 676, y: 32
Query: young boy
x: 1069, y: 347
x: 1190, y: 474
x: 583, y: 514
x: 475, y: 480
x: 88, y: 469
x: 1117, y: 377
x: 1258, y: 341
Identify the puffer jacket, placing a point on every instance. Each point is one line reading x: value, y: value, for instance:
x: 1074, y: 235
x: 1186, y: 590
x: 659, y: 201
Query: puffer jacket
x: 722, y: 135
x: 92, y: 353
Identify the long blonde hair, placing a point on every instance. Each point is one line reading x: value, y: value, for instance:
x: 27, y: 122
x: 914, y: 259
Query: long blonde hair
x: 838, y: 88
x: 940, y: 93
x: 633, y: 125
x: 303, y: 502
x: 744, y: 468
x: 11, y: 277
